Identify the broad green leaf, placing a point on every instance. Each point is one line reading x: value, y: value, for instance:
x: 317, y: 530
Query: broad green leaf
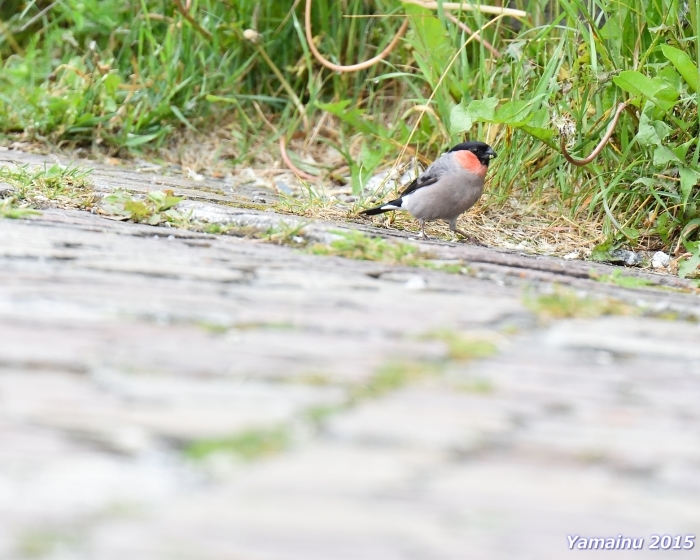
x: 355, y: 178
x: 370, y: 158
x: 543, y: 134
x: 651, y: 132
x: 164, y: 200
x: 630, y: 233
x: 671, y: 77
x: 656, y: 89
x: 427, y: 28
x: 684, y: 64
x: 137, y: 210
x: 601, y: 252
x: 483, y: 109
x: 689, y: 266
x: 611, y: 30
x: 541, y: 118
x: 634, y: 82
x: 682, y: 150
x: 514, y: 112
x: 666, y: 96
x: 460, y: 120
x: 155, y: 219
x: 662, y: 155
x: 689, y: 178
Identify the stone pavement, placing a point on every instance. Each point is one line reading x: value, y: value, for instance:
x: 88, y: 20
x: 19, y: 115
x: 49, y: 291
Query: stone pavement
x: 140, y: 366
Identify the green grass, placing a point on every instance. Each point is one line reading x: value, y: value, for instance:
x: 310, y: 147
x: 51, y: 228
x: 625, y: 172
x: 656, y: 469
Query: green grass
x: 391, y: 377
x: 130, y: 76
x: 248, y: 445
x: 462, y: 347
x: 566, y: 304
x: 356, y: 245
x: 43, y: 186
x: 618, y: 278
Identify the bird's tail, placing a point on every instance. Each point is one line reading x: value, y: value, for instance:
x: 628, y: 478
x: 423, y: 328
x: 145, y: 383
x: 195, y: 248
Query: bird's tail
x: 388, y: 207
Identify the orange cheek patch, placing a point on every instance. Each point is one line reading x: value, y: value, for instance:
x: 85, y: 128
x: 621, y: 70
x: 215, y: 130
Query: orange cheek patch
x: 471, y: 163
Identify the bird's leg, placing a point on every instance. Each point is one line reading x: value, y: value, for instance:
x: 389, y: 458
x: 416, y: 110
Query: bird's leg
x: 422, y: 229
x: 455, y: 229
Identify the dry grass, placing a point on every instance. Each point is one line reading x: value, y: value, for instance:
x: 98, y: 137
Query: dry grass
x: 513, y: 227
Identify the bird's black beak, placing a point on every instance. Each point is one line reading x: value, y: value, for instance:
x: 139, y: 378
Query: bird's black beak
x: 490, y: 153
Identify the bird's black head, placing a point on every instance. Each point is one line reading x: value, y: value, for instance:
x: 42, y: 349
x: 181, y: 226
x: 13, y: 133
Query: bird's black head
x: 481, y: 150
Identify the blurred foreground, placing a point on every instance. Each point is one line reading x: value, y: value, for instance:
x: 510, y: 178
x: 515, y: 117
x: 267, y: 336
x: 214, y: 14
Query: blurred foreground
x: 172, y: 394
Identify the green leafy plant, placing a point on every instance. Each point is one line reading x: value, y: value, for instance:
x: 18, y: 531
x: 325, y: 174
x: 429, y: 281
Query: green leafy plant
x: 689, y: 267
x: 156, y: 208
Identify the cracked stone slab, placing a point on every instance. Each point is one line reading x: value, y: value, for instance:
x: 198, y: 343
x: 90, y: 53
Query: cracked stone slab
x: 425, y: 417
x: 634, y: 336
x: 120, y: 343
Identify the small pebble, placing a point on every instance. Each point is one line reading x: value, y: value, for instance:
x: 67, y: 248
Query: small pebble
x: 660, y: 260
x: 415, y: 283
x: 6, y: 190
x: 192, y: 174
x: 630, y: 258
x: 259, y: 197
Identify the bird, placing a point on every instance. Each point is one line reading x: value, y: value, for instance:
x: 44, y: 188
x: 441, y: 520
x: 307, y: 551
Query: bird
x: 450, y: 186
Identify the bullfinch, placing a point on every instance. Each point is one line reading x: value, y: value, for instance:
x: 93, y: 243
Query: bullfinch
x: 446, y: 189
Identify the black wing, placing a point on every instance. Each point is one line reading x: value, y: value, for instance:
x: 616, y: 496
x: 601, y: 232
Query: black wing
x: 419, y: 182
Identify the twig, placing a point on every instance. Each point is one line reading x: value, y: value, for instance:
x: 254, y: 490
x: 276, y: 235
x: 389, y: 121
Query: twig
x: 465, y: 6
x: 608, y: 133
x: 488, y: 46
x: 260, y: 113
x: 288, y: 162
x: 352, y: 67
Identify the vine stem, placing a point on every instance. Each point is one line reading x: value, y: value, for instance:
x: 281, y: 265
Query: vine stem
x: 604, y: 140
